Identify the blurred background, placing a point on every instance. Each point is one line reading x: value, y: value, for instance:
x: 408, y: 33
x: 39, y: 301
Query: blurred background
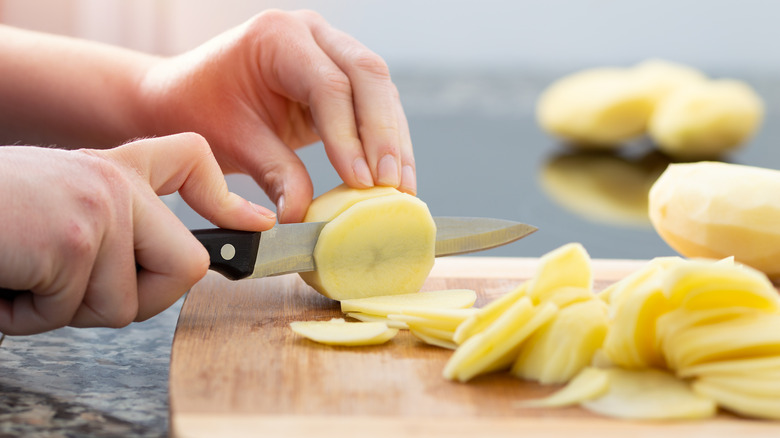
x: 469, y: 74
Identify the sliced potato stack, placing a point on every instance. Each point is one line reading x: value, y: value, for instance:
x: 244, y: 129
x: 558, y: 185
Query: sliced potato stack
x: 547, y: 329
x: 431, y: 316
x: 704, y: 333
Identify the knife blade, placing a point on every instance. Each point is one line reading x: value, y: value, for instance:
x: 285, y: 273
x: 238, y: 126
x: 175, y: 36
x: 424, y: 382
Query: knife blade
x: 288, y: 248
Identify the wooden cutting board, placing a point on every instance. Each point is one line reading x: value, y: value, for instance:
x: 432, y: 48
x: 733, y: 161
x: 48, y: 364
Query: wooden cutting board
x: 238, y: 370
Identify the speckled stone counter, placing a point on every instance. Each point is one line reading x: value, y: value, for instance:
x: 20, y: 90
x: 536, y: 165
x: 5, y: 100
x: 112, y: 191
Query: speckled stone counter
x: 88, y: 382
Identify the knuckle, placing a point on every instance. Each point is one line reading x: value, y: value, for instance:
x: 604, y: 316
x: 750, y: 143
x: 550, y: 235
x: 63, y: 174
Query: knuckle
x: 195, y: 143
x: 309, y: 16
x: 79, y: 241
x: 270, y: 22
x: 335, y: 83
x: 368, y: 61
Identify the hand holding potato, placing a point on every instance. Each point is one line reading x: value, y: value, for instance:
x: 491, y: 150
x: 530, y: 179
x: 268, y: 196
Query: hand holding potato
x: 278, y: 82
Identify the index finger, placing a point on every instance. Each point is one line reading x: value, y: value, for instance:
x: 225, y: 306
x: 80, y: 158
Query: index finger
x: 184, y: 163
x: 382, y: 125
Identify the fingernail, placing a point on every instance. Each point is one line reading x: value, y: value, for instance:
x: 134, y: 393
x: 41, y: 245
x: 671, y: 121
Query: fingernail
x: 280, y: 206
x: 387, y: 171
x: 408, y: 180
x: 362, y: 172
x: 263, y: 211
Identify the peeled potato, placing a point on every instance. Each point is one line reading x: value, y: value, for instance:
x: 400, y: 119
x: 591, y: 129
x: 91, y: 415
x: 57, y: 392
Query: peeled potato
x: 650, y: 395
x: 333, y: 202
x: 338, y: 332
x: 661, y: 78
x: 596, y: 108
x: 717, y: 210
x: 705, y: 119
x: 379, y: 242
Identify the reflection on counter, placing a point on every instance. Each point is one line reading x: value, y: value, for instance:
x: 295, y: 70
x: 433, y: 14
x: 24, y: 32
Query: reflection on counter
x: 603, y: 186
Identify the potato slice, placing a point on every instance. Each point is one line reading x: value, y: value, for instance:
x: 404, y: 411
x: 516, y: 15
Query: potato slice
x: 399, y: 304
x: 338, y: 332
x: 716, y: 210
x: 706, y: 119
x: 383, y: 245
x: 571, y: 259
x: 767, y: 366
x: 751, y: 385
x: 588, y: 384
x: 487, y: 315
x: 751, y: 335
x: 429, y: 339
x: 704, y: 285
x: 614, y: 293
x: 650, y: 395
x: 367, y: 317
x: 740, y: 401
x: 498, y: 346
x: 631, y: 341
x: 670, y: 325
x: 565, y: 345
x: 445, y: 319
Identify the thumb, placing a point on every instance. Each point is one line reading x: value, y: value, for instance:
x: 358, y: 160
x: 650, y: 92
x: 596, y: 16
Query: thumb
x: 191, y: 169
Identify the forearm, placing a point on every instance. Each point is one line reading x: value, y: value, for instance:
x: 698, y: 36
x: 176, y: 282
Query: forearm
x: 68, y: 92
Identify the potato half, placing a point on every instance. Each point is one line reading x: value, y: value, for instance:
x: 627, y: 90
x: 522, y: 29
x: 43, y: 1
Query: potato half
x: 379, y: 241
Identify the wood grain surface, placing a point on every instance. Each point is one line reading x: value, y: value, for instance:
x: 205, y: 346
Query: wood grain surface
x: 237, y: 370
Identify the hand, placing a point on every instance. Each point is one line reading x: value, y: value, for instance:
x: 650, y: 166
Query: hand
x: 279, y: 82
x: 76, y: 223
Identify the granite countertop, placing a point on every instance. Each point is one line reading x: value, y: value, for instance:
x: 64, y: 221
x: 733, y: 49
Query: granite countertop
x: 87, y: 383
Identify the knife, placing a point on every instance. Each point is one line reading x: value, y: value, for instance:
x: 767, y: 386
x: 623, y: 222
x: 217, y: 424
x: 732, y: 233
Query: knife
x: 288, y: 248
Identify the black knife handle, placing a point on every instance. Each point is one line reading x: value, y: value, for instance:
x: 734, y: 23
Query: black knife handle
x: 232, y: 253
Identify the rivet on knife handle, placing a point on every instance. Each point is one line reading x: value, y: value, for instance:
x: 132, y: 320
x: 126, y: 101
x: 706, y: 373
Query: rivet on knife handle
x: 232, y: 253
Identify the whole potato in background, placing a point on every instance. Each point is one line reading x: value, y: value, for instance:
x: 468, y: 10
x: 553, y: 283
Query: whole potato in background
x: 718, y: 210
x: 595, y: 109
x: 706, y: 119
